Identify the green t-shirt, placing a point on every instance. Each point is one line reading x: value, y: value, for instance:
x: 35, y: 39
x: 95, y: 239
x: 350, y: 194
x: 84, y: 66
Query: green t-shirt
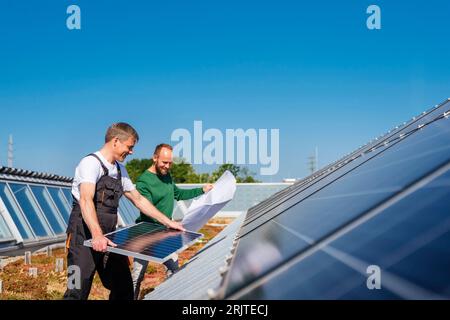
x: 161, y: 191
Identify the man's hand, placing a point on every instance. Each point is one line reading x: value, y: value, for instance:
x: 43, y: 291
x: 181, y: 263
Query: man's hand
x: 207, y: 187
x: 100, y: 243
x: 175, y: 225
x: 150, y: 210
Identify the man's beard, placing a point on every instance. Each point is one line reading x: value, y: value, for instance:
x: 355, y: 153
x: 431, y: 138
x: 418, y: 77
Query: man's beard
x: 159, y: 172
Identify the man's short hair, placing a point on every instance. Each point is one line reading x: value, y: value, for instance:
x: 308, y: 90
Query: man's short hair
x: 121, y: 130
x: 160, y: 146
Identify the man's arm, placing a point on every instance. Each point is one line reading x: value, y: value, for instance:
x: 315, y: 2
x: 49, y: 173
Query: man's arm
x: 99, y: 241
x: 147, y: 208
x: 186, y: 194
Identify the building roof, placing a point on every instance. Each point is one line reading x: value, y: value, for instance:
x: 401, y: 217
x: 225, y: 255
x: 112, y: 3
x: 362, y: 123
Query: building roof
x: 32, y: 176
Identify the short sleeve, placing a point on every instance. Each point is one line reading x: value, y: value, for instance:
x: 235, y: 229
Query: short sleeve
x: 89, y: 170
x: 127, y: 184
x: 143, y: 190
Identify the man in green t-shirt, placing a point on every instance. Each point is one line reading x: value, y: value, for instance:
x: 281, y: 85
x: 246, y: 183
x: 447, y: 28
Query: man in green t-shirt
x: 157, y: 186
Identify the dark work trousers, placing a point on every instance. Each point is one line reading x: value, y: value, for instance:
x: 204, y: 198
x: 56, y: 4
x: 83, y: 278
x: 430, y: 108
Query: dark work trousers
x: 112, y: 268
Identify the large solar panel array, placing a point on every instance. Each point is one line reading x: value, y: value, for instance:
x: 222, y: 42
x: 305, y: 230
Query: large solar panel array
x: 383, y: 206
x: 150, y: 241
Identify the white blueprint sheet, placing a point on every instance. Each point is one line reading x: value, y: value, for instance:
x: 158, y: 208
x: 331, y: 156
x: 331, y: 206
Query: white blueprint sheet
x: 205, y: 207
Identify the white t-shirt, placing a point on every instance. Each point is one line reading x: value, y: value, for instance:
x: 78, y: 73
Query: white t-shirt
x: 90, y: 170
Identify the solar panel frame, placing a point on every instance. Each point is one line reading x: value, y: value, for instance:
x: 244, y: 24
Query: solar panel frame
x: 158, y: 228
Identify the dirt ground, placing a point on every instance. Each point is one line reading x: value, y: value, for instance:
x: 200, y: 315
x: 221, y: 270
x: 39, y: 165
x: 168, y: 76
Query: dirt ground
x: 51, y: 285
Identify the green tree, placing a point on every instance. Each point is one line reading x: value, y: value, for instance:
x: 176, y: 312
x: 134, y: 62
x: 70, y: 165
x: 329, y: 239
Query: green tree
x: 181, y: 171
x: 136, y: 167
x: 246, y: 176
x: 184, y: 172
x: 234, y: 169
x: 242, y: 175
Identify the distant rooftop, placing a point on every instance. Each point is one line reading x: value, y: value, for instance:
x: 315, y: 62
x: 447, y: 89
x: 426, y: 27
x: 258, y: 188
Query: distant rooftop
x: 7, y: 173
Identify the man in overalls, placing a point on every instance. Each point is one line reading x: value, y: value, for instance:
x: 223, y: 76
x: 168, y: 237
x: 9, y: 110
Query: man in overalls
x: 99, y: 182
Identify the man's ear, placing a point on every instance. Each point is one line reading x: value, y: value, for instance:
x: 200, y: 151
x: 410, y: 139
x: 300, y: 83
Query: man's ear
x: 115, y: 141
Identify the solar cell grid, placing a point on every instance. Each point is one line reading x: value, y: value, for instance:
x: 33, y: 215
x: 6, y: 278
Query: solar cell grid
x: 150, y: 241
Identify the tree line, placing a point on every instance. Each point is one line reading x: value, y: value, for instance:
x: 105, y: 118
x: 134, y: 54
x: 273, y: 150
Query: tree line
x: 183, y: 172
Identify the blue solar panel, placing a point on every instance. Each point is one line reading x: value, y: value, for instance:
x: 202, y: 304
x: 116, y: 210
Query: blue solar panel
x: 150, y: 241
x: 408, y: 241
x: 286, y: 250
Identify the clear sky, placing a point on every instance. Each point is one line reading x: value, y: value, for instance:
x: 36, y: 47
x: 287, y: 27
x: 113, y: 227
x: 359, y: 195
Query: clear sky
x: 311, y: 69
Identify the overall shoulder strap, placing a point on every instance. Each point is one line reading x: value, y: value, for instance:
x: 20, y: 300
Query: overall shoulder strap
x: 105, y: 169
x: 119, y: 172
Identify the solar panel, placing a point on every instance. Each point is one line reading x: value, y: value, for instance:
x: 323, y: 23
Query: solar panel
x: 149, y: 241
x: 280, y: 252
x: 408, y: 241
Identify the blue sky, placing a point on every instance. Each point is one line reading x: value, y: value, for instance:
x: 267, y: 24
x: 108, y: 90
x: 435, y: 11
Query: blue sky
x: 311, y: 69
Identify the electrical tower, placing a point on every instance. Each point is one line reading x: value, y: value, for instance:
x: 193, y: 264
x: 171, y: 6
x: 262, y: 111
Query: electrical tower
x: 313, y: 161
x: 10, y: 151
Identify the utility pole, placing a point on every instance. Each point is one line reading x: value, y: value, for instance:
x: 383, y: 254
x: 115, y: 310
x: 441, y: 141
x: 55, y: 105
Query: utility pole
x: 10, y: 151
x: 313, y: 161
x: 311, y: 164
